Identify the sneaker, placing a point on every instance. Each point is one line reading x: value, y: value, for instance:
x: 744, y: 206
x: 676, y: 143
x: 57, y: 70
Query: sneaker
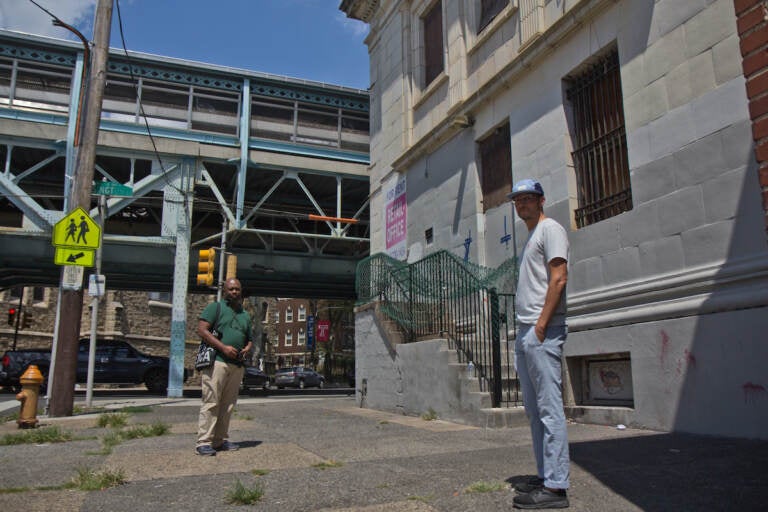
x: 226, y: 446
x: 205, y: 450
x: 530, y: 484
x: 541, y: 498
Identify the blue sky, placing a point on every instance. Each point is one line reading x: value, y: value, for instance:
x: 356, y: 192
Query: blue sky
x: 309, y: 39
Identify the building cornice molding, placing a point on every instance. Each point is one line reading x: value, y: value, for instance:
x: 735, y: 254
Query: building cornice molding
x: 727, y: 285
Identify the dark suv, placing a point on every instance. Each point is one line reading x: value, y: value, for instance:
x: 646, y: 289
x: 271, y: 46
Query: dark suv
x: 298, y: 377
x: 115, y: 362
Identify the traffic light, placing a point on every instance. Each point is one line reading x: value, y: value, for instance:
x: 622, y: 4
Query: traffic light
x: 205, y: 266
x: 26, y: 320
x: 11, y: 316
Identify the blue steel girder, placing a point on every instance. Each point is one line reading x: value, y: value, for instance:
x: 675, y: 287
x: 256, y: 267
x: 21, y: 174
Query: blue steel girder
x: 262, y: 215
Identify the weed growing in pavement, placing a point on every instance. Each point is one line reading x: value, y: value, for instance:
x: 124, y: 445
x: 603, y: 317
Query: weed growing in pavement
x: 37, y: 436
x: 117, y: 436
x: 259, y: 472
x: 485, y: 487
x: 136, y: 409
x: 423, y: 499
x: 112, y: 419
x: 90, y: 480
x: 61, y: 487
x: 155, y: 429
x: 9, y: 417
x: 328, y: 464
x: 430, y: 415
x: 242, y: 495
x: 78, y: 410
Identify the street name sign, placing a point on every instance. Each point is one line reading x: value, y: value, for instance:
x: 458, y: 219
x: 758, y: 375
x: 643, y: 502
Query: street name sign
x: 111, y: 188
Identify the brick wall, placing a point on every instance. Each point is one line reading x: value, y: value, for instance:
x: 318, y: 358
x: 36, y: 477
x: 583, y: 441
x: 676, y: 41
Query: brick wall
x: 752, y: 23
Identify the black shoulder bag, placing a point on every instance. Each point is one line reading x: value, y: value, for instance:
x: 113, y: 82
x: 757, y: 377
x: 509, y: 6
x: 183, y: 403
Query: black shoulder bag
x: 206, y: 354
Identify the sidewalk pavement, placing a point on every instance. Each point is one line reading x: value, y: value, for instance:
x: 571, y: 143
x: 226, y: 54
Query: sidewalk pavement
x: 326, y: 454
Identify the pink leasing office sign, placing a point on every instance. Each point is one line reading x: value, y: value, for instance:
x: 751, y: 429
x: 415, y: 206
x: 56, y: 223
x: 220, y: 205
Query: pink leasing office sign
x: 395, y: 213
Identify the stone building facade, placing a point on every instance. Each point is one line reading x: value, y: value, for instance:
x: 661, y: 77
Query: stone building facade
x: 639, y: 118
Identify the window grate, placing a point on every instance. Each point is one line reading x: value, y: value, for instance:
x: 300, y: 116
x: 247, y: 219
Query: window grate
x: 433, y: 43
x: 600, y: 142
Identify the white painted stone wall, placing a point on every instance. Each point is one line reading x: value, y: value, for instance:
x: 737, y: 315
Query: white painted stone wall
x: 690, y: 259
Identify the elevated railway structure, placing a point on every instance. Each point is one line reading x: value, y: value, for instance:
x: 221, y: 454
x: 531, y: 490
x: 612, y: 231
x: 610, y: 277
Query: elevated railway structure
x: 273, y: 169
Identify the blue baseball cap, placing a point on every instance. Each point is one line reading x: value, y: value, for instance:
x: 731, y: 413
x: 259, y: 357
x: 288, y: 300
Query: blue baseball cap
x: 527, y: 186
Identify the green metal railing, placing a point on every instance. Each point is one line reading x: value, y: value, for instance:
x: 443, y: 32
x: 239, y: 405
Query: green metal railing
x: 442, y: 295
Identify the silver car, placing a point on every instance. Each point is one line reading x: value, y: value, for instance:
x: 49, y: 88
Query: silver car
x: 298, y: 377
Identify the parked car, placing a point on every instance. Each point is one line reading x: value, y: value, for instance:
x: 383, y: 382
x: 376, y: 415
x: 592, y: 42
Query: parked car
x: 298, y: 377
x: 116, y: 362
x: 253, y: 378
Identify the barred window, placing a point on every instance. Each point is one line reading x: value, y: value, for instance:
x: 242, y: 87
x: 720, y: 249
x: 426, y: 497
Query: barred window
x: 433, y: 42
x: 488, y: 10
x: 495, y: 167
x: 599, y: 142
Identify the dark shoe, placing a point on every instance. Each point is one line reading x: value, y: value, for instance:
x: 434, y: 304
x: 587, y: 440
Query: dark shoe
x: 541, y: 498
x: 531, y: 484
x: 226, y: 446
x: 205, y: 450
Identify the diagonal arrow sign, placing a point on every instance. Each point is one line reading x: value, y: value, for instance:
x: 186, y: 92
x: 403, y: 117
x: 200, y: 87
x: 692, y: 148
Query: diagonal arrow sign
x: 74, y: 257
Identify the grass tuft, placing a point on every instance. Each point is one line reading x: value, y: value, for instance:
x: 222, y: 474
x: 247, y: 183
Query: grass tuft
x: 430, y: 415
x: 328, y: 464
x: 136, y: 409
x: 112, y: 419
x: 37, y: 436
x: 90, y: 480
x: 259, y: 472
x: 485, y: 487
x: 155, y: 429
x: 242, y: 495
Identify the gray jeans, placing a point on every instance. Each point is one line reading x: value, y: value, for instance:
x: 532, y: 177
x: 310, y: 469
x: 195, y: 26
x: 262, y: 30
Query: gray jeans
x: 539, y: 368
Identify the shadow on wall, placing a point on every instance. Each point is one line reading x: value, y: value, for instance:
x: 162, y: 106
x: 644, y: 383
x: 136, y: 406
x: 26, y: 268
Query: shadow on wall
x: 724, y: 381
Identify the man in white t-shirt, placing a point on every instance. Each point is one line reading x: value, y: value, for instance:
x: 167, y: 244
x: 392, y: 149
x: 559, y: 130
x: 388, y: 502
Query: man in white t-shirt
x: 540, y: 307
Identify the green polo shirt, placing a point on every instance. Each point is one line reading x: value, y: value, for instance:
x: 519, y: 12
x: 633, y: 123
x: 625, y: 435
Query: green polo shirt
x: 234, y: 327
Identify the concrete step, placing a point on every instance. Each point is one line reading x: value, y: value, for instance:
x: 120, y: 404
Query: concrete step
x: 503, y: 417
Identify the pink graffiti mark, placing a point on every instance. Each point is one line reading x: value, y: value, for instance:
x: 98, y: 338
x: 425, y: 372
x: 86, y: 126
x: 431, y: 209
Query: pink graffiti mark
x: 664, y: 346
x: 752, y: 392
x: 690, y: 358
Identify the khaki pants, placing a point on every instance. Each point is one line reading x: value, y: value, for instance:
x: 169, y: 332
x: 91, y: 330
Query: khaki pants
x: 221, y: 385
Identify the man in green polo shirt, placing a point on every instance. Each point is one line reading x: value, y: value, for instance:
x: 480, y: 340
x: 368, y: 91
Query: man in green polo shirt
x: 221, y: 381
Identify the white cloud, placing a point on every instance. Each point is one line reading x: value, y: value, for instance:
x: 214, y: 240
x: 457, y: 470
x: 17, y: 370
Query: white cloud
x: 24, y: 16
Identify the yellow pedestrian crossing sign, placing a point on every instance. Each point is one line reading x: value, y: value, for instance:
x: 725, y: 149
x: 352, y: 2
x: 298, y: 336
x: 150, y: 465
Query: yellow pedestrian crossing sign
x: 77, y: 231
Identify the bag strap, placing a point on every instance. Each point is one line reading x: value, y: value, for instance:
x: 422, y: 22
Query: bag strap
x: 216, y: 320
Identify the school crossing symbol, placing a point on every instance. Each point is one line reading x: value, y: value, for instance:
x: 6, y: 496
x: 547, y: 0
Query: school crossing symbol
x: 76, y: 238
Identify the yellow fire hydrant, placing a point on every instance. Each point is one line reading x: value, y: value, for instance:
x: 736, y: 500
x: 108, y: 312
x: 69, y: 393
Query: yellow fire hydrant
x: 30, y: 391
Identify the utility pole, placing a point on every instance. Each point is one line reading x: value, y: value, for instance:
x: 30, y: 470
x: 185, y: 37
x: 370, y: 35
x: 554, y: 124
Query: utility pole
x: 71, y: 307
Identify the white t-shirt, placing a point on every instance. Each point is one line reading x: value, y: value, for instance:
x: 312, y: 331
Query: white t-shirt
x: 546, y: 242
